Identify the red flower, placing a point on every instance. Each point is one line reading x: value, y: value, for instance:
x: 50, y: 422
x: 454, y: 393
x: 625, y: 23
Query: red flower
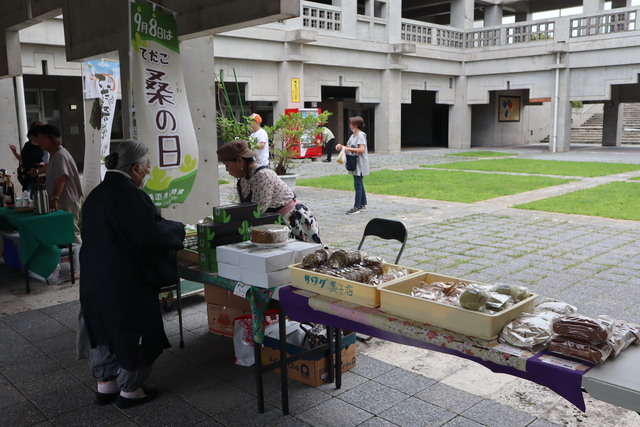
x: 432, y: 334
x: 450, y: 338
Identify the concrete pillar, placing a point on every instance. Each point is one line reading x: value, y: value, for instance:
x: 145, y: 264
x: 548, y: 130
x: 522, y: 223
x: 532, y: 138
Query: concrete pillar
x: 286, y: 71
x: 592, y: 6
x: 613, y: 120
x: 196, y: 56
x: 8, y: 126
x: 492, y: 15
x: 349, y: 17
x: 462, y: 13
x: 23, y: 126
x: 394, y: 21
x: 460, y: 117
x: 389, y: 113
x: 563, y: 117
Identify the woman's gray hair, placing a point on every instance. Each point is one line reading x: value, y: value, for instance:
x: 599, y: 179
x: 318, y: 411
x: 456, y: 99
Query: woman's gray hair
x: 127, y: 154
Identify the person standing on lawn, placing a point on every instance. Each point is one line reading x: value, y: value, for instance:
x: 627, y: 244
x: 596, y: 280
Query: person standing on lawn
x: 357, y: 146
x: 329, y: 140
x: 260, y: 136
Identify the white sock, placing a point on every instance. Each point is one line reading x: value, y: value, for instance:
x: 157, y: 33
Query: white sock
x: 136, y: 394
x: 108, y: 387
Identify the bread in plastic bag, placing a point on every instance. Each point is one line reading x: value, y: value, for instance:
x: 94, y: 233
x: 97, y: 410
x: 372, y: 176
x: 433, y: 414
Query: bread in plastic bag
x: 583, y: 328
x: 588, y: 352
x: 624, y: 334
x: 548, y: 304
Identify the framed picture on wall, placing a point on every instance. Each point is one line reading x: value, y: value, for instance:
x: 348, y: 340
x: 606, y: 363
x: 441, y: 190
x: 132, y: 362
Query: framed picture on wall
x: 508, y: 108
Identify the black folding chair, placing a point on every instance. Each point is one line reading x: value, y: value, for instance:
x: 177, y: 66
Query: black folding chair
x: 387, y: 229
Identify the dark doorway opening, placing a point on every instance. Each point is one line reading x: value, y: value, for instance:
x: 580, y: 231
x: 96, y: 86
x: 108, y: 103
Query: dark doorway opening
x: 341, y: 101
x: 425, y: 123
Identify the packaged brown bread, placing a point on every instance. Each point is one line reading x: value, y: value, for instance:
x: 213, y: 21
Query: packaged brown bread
x: 582, y: 328
x: 592, y: 353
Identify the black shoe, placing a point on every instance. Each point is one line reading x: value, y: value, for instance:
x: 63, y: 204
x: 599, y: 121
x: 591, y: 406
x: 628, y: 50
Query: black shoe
x: 326, y: 161
x: 105, y: 398
x: 125, y: 403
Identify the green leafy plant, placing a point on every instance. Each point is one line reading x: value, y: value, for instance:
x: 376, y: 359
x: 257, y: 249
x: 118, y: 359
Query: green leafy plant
x: 231, y: 127
x: 287, y: 131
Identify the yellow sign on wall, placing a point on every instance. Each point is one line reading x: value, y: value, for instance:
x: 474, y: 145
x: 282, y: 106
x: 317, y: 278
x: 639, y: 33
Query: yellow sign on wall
x: 295, y: 90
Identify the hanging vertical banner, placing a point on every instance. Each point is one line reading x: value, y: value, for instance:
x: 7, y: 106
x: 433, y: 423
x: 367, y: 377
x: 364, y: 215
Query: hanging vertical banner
x: 101, y: 80
x: 160, y: 114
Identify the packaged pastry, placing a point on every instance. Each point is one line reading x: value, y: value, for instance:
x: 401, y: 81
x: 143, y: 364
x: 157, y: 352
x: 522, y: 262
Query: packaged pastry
x: 269, y: 233
x: 589, y: 352
x: 582, y: 328
x: 344, y: 258
x: 548, y: 304
x: 517, y: 293
x: 624, y: 334
x: 529, y: 330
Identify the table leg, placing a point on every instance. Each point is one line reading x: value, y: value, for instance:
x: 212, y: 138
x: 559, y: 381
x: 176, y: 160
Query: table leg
x: 332, y: 352
x: 26, y: 279
x: 71, y: 266
x: 338, y: 358
x: 257, y: 352
x: 284, y: 378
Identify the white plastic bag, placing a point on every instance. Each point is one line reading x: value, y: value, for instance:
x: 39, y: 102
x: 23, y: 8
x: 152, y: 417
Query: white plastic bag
x: 341, y: 157
x: 243, y: 342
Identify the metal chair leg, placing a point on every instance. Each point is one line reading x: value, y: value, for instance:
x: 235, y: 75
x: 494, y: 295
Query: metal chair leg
x: 179, y: 298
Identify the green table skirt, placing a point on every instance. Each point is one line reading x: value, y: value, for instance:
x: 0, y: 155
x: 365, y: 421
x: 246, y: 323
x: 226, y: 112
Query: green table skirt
x: 40, y: 236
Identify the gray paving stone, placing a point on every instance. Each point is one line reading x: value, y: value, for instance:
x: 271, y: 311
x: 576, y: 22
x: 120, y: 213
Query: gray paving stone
x: 21, y: 414
x: 61, y: 401
x: 93, y: 414
x: 405, y: 381
x: 373, y: 397
x: 460, y: 421
x: 414, y: 412
x: 369, y: 367
x: 53, y: 381
x: 9, y: 396
x: 541, y: 422
x: 188, y: 381
x: 448, y: 397
x: 29, y: 368
x: 177, y: 412
x: 494, y: 414
x: 301, y: 397
x: 377, y: 422
x: 334, y: 412
x: 349, y: 381
x: 219, y: 398
x: 248, y: 415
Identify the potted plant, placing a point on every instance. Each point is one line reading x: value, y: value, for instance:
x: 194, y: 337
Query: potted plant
x: 229, y: 126
x: 285, y: 134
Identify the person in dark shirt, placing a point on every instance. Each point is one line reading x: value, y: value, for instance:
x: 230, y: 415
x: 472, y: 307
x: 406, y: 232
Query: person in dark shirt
x: 32, y: 158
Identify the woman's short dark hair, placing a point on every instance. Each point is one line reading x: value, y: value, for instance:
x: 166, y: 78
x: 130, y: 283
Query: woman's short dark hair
x: 357, y: 121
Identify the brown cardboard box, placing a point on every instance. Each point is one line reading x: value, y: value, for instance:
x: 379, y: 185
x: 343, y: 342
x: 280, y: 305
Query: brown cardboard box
x: 313, y: 371
x: 220, y: 296
x: 221, y: 319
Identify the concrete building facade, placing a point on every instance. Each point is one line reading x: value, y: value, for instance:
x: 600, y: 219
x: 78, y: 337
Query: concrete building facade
x: 456, y: 73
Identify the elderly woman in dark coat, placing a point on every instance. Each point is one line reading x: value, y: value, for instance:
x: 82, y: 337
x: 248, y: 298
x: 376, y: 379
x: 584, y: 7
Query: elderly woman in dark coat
x: 128, y: 253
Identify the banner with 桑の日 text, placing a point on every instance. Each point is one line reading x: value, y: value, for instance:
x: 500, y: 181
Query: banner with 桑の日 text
x: 101, y: 81
x: 160, y: 116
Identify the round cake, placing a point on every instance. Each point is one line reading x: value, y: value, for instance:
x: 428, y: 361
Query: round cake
x: 270, y: 233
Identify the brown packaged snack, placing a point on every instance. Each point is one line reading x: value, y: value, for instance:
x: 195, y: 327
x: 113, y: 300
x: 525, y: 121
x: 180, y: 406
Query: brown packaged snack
x: 592, y: 353
x: 582, y: 328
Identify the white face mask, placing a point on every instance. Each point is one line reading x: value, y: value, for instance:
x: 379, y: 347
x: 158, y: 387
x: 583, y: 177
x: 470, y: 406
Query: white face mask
x: 143, y: 180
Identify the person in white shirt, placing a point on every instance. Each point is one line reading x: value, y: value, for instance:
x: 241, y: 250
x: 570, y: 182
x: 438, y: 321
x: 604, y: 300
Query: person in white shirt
x: 260, y: 136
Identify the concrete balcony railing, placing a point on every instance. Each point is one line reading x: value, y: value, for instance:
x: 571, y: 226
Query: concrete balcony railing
x: 321, y: 17
x: 605, y: 23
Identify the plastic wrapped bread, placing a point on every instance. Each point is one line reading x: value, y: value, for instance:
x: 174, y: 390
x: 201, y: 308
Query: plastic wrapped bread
x: 582, y: 328
x: 588, y: 352
x: 529, y: 330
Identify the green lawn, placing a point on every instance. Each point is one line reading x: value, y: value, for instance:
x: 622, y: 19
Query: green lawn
x: 541, y: 167
x: 620, y: 200
x: 222, y: 181
x: 454, y: 186
x: 637, y: 178
x: 480, y: 154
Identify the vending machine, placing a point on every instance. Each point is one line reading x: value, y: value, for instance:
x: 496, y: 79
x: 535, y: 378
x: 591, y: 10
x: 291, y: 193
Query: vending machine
x: 308, y: 147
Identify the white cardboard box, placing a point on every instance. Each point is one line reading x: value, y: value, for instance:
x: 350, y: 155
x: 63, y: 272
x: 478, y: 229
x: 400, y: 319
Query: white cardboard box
x: 301, y: 249
x: 230, y: 254
x: 266, y: 260
x: 228, y: 271
x: 266, y: 280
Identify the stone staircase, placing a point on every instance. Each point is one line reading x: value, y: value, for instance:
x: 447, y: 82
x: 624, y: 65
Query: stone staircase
x: 591, y: 131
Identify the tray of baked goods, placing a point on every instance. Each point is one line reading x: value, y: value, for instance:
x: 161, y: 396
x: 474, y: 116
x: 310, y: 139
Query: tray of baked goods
x: 348, y: 275
x: 470, y: 308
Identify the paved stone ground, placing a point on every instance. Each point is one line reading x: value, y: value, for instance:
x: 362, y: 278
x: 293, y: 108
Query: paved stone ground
x: 590, y: 262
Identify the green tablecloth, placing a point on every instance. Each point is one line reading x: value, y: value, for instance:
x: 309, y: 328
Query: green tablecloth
x: 258, y: 297
x: 40, y: 236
